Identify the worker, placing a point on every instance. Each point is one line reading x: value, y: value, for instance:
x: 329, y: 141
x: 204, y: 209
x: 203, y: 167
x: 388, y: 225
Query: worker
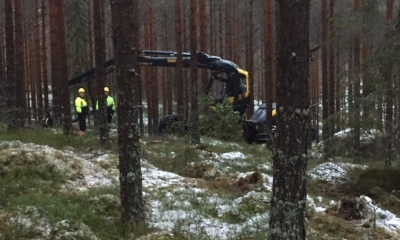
x: 110, y: 104
x: 82, y: 110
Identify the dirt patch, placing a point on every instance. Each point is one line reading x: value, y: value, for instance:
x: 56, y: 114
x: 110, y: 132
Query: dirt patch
x: 248, y: 183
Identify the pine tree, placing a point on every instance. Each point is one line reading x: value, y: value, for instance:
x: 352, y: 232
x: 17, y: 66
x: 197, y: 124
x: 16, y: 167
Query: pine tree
x: 125, y: 37
x: 288, y: 202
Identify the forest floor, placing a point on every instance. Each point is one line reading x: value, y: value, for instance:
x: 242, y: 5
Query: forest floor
x: 54, y: 187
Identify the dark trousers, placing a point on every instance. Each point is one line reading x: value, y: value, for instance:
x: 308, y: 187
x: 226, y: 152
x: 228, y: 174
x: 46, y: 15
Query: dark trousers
x: 110, y: 113
x: 82, y: 121
x: 109, y: 118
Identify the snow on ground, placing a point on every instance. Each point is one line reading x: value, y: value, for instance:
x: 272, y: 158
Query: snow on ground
x: 365, y: 135
x: 173, y: 200
x: 333, y: 172
x: 384, y: 219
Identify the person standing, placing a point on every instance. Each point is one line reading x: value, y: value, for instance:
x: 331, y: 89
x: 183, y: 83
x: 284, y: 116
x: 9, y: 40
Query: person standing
x: 110, y: 104
x: 82, y: 110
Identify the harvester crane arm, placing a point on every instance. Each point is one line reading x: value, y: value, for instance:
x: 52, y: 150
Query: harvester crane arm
x: 237, y: 85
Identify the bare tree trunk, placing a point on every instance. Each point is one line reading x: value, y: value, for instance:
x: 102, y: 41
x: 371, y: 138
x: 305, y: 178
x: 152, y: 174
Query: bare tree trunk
x: 389, y: 95
x: 44, y: 57
x: 194, y: 111
x: 10, y: 82
x: 38, y: 61
x: 125, y: 37
x: 148, y: 72
x: 20, y: 63
x: 331, y: 72
x: 249, y: 56
x: 357, y: 95
x: 90, y: 27
x: 203, y: 39
x: 288, y: 202
x: 275, y: 59
x: 325, y: 80
x: 59, y: 72
x: 338, y: 88
x: 179, y: 66
x: 99, y: 76
x: 3, y: 100
x: 153, y: 72
x: 168, y: 84
x: 268, y: 62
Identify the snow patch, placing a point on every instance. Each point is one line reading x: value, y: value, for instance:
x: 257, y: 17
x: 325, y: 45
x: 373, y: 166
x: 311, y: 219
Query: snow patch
x: 333, y: 172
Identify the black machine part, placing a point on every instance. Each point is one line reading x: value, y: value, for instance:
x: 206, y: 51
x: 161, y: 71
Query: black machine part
x: 255, y: 128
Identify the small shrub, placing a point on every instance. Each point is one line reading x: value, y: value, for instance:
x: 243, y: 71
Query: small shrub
x: 219, y: 121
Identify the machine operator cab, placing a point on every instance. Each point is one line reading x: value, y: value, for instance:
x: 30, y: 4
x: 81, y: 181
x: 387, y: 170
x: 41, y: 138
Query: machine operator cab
x: 255, y: 129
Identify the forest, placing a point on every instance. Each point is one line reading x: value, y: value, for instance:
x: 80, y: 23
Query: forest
x: 187, y: 79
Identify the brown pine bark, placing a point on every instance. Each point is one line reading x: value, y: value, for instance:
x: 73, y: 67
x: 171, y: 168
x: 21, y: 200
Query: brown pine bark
x: 168, y: 80
x: 19, y: 62
x: 194, y: 108
x: 99, y: 76
x: 44, y: 56
x: 2, y: 74
x: 212, y: 27
x: 59, y: 73
x: 179, y: 67
x: 221, y: 26
x: 275, y: 59
x: 203, y: 38
x: 38, y: 61
x: 325, y: 79
x: 228, y: 30
x: 235, y: 31
x: 11, y: 114
x: 186, y: 44
x: 154, y: 76
x: 331, y: 72
x: 389, y: 95
x: 148, y: 72
x: 90, y: 27
x: 125, y: 36
x: 268, y: 75
x: 357, y: 95
x: 31, y: 80
x: 249, y: 55
x: 288, y: 201
x: 338, y: 87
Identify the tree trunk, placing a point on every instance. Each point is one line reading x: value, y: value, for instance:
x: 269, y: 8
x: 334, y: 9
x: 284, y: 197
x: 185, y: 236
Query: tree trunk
x: 268, y: 62
x: 194, y: 111
x: 338, y: 87
x: 325, y: 80
x: 203, y: 39
x: 249, y: 56
x: 99, y: 76
x: 357, y: 95
x: 44, y: 57
x: 125, y: 37
x: 179, y: 66
x: 148, y: 72
x: 38, y: 62
x: 331, y: 72
x: 153, y: 72
x: 10, y: 82
x: 59, y: 71
x: 20, y: 63
x: 3, y: 99
x: 389, y: 94
x: 288, y: 202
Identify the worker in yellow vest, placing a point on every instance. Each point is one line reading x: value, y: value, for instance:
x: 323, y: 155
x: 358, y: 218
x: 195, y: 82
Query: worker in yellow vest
x: 82, y: 110
x: 109, y: 103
